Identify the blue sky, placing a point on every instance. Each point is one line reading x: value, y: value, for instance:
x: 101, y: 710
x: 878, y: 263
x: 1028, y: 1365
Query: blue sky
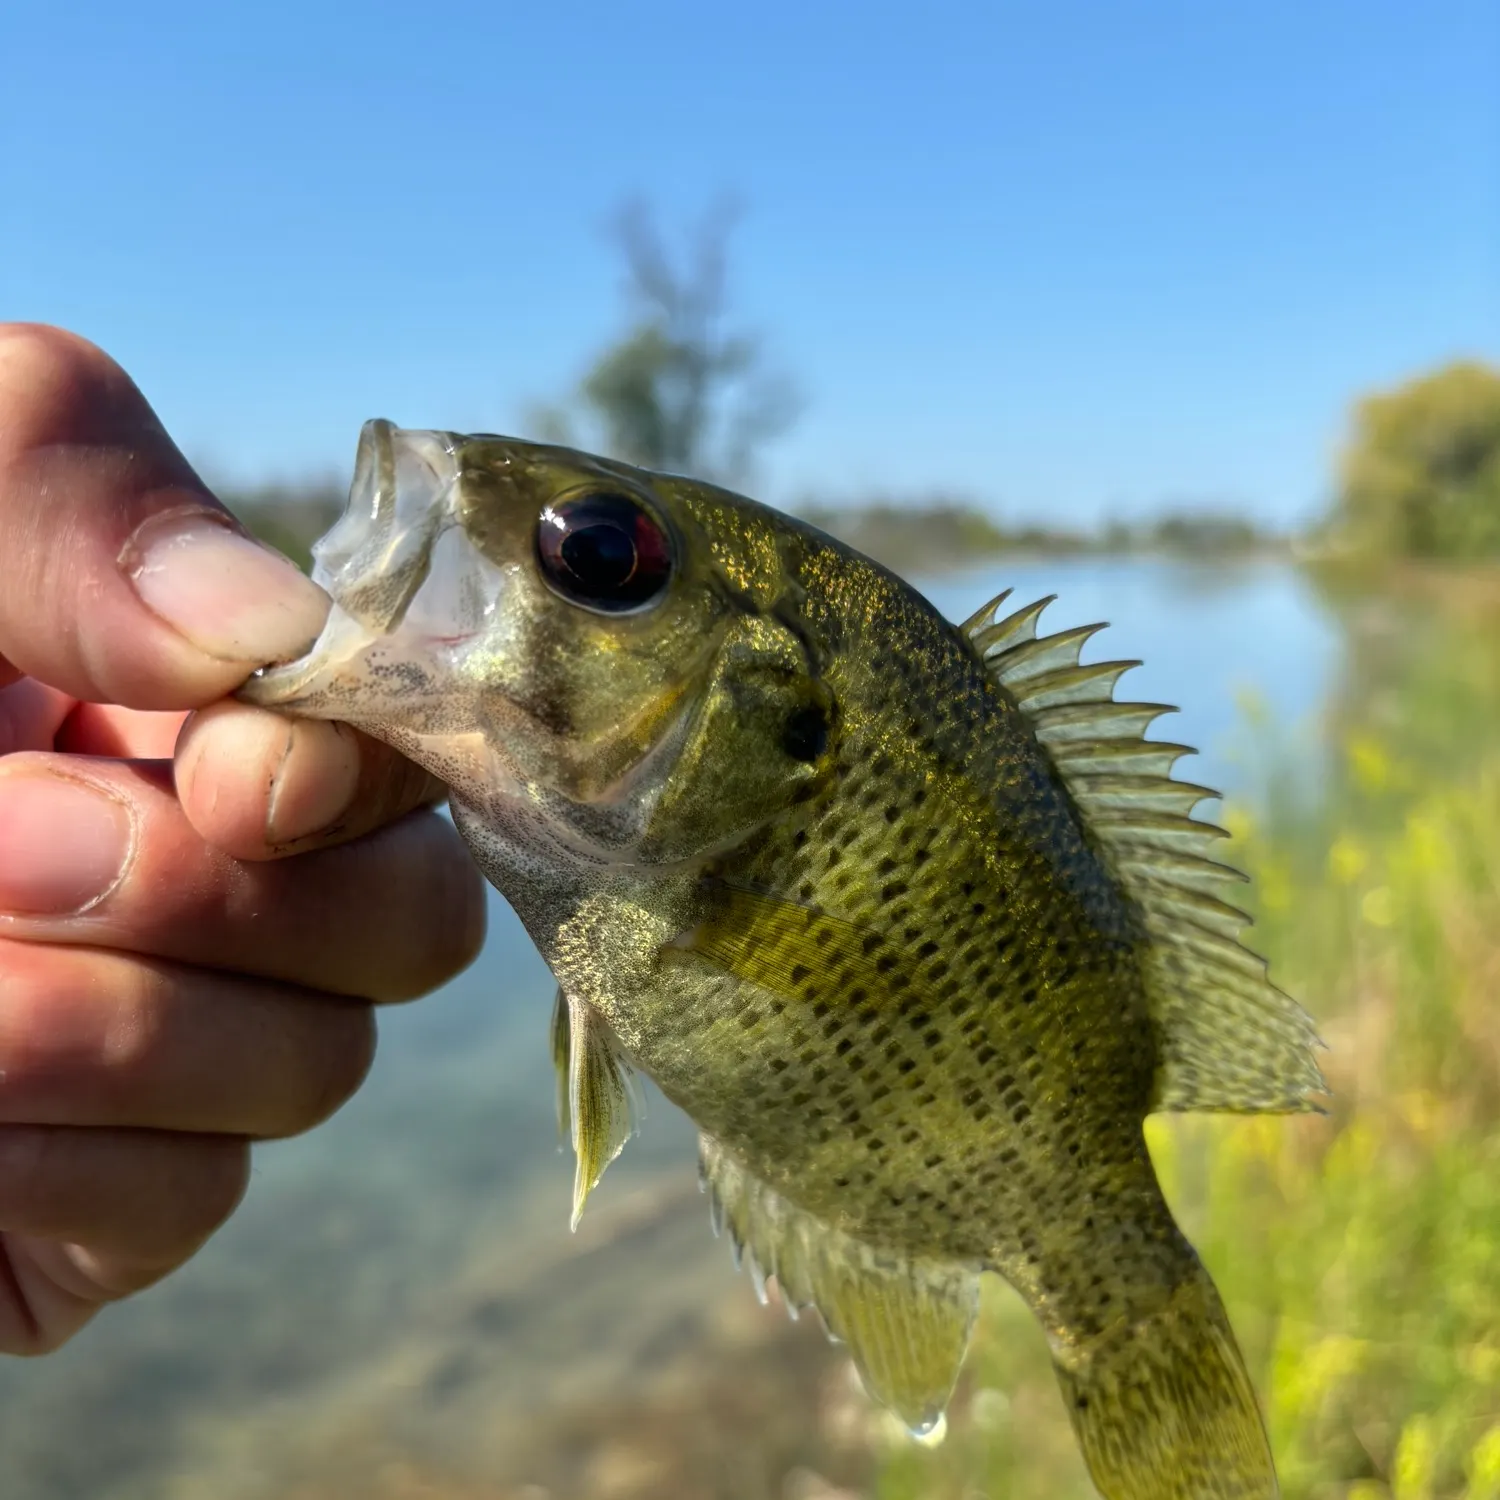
x: 1072, y: 259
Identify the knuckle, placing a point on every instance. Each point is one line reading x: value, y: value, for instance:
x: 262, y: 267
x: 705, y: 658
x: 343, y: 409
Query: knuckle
x: 346, y: 1057
x: 225, y: 1179
x: 73, y: 1021
x: 52, y: 368
x: 45, y: 1016
x: 433, y: 901
x: 199, y: 1182
x: 454, y: 931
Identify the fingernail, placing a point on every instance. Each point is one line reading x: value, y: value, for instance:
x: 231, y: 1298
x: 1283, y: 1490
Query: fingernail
x: 63, y: 845
x: 314, y: 783
x: 231, y: 597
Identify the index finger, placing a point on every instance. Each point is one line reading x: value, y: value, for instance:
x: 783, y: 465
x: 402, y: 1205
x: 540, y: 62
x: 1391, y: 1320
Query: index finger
x: 122, y: 579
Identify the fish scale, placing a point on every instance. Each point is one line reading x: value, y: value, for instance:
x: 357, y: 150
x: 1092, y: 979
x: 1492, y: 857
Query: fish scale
x: 909, y: 917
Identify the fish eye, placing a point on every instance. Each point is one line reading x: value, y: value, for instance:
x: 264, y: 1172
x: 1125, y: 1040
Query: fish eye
x: 605, y: 551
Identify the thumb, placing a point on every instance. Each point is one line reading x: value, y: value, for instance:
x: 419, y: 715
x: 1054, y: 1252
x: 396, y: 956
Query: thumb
x: 122, y: 580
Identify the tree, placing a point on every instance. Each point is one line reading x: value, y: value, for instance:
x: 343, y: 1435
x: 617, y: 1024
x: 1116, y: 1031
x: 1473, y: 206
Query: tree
x: 678, y: 393
x: 1420, y: 476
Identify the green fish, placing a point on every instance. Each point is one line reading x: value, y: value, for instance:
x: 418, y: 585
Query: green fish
x: 910, y: 918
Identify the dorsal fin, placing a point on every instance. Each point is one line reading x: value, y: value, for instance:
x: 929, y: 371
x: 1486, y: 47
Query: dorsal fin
x: 1230, y: 1039
x: 906, y: 1321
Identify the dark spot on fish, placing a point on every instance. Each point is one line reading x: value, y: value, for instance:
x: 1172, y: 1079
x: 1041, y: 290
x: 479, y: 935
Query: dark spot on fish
x: 892, y: 890
x: 906, y: 1065
x: 885, y: 866
x: 799, y: 973
x: 892, y: 813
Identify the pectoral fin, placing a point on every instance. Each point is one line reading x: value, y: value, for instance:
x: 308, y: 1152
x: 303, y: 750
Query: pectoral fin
x: 560, y: 1051
x: 595, y: 1093
x: 906, y: 1321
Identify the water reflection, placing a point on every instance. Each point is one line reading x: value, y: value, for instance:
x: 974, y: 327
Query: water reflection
x: 399, y: 1310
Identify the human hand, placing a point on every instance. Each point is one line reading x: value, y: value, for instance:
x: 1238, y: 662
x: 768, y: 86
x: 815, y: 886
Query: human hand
x: 170, y: 988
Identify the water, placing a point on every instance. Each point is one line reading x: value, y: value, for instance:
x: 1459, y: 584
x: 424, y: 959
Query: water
x: 399, y: 1310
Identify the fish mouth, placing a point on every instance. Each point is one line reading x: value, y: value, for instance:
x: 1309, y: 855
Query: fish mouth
x: 409, y: 591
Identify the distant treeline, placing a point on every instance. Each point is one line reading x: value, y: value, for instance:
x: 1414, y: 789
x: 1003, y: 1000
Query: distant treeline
x: 290, y: 516
x: 1420, y: 474
x: 921, y: 536
x: 926, y: 536
x: 1419, y: 479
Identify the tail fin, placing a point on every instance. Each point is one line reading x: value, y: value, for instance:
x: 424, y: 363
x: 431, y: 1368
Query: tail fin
x: 1163, y: 1407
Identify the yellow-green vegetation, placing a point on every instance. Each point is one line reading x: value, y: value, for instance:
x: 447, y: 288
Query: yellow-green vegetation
x: 1420, y: 475
x: 1359, y: 1253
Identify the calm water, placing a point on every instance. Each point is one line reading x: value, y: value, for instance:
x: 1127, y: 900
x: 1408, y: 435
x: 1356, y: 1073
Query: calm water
x: 399, y: 1309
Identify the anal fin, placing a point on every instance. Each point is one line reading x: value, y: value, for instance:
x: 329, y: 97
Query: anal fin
x: 906, y: 1321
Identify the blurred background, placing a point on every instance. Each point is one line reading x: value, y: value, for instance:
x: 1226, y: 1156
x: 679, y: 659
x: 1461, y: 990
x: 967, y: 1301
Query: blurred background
x: 1189, y: 314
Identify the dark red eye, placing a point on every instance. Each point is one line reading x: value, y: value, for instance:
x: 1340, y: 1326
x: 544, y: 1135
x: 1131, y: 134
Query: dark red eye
x: 605, y: 551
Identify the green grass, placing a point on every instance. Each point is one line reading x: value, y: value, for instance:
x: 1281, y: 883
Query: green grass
x: 1359, y: 1253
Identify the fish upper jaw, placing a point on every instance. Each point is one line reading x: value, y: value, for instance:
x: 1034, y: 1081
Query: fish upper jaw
x: 411, y: 596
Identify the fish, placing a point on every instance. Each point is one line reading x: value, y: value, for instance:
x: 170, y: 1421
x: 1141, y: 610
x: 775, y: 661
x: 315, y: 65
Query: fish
x: 910, y: 917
